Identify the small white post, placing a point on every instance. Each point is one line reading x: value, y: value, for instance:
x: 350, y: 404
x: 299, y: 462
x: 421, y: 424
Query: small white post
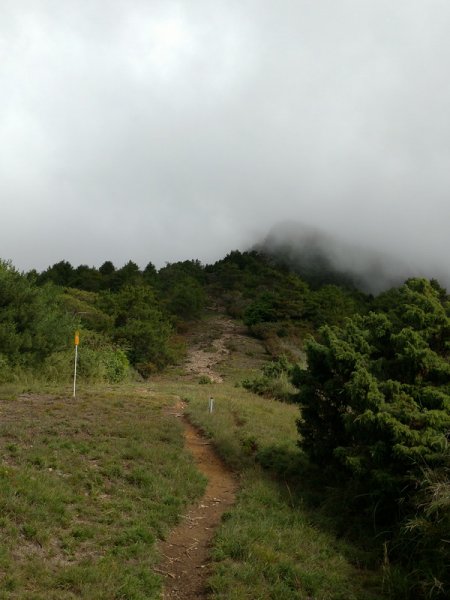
x: 77, y: 341
x: 75, y: 372
x: 211, y: 405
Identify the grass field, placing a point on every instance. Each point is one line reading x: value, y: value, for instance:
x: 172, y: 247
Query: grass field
x: 86, y: 488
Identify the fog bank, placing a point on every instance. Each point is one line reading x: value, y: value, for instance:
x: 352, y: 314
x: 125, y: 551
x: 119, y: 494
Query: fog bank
x: 316, y: 254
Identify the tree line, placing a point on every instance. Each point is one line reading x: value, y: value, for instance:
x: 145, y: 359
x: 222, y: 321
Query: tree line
x: 130, y: 317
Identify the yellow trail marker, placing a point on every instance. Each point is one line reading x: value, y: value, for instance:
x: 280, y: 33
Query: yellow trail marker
x: 77, y: 338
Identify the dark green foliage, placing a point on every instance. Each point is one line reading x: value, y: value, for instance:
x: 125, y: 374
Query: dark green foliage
x: 186, y: 299
x: 107, y: 268
x: 92, y: 279
x: 33, y: 322
x: 274, y: 381
x: 245, y: 271
x: 37, y: 326
x: 130, y: 308
x: 86, y: 278
x: 294, y: 301
x: 61, y: 273
x: 376, y: 398
x: 251, y: 285
x: 141, y: 327
x: 332, y: 304
x: 172, y: 273
x: 287, y: 303
x: 87, y: 307
x: 98, y: 360
x: 264, y: 292
x: 265, y: 309
x: 378, y: 378
x: 150, y: 274
x: 128, y: 275
x: 182, y: 289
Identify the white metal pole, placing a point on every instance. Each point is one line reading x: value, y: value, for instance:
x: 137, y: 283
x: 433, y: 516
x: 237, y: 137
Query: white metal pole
x: 75, y: 371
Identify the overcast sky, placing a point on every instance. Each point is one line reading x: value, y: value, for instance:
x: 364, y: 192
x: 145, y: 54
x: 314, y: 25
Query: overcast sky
x: 159, y: 130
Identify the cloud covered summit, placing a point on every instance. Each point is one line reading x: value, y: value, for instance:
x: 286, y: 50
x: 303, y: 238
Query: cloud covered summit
x: 163, y: 130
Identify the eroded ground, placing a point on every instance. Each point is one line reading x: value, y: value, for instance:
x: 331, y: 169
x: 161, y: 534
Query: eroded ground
x: 186, y: 551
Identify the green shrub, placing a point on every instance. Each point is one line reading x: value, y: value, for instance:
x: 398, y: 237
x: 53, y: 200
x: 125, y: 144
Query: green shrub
x: 98, y: 360
x: 5, y: 370
x: 274, y: 382
x: 116, y: 365
x: 376, y: 409
x: 33, y: 322
x: 142, y: 329
x: 279, y: 387
x: 264, y: 309
x: 59, y: 366
x: 277, y: 367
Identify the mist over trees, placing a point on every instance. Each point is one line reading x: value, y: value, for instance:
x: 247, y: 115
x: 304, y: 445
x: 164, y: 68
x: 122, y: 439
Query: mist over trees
x: 320, y: 257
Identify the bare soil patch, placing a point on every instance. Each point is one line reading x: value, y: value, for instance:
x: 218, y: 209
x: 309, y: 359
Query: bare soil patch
x: 186, y: 551
x: 211, y: 347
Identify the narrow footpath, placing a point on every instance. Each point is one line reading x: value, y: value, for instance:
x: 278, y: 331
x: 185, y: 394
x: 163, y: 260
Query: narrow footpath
x: 186, y: 552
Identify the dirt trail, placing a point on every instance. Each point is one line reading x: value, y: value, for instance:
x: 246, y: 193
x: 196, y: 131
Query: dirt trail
x: 186, y: 551
x: 204, y: 360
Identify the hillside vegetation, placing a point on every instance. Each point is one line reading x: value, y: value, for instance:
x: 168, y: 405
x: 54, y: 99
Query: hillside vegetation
x: 366, y: 379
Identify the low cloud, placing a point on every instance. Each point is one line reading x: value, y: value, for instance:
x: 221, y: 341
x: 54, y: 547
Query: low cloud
x: 159, y: 131
x: 312, y: 252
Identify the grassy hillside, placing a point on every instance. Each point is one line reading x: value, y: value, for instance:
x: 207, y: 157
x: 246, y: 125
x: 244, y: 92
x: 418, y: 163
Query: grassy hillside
x: 344, y: 484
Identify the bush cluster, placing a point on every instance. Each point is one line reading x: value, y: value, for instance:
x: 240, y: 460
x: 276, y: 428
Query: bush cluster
x: 375, y: 404
x: 274, y: 381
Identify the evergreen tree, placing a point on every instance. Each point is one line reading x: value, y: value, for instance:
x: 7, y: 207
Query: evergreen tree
x: 376, y: 395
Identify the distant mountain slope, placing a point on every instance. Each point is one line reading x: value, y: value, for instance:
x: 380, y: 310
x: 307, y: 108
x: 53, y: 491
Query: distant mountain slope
x: 320, y: 258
